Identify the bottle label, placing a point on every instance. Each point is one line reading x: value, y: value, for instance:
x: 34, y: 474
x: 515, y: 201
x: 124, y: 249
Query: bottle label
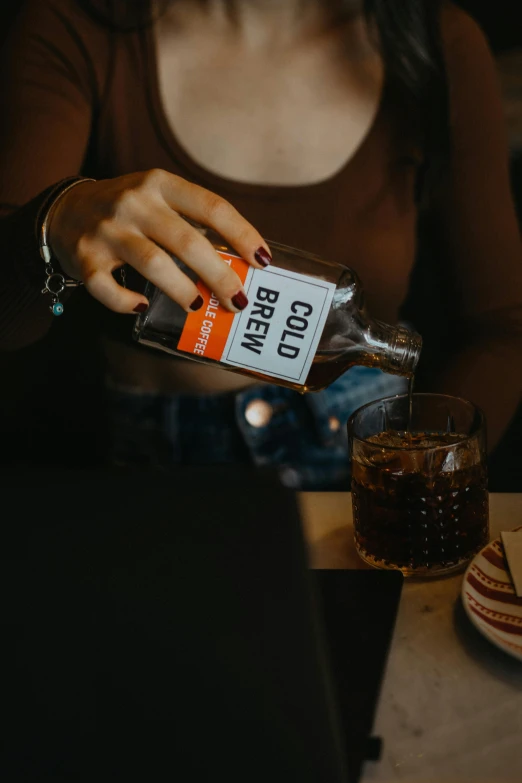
x: 277, y: 334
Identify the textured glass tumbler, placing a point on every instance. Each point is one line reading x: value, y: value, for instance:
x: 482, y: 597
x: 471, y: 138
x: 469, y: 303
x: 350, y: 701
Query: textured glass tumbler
x: 419, y: 483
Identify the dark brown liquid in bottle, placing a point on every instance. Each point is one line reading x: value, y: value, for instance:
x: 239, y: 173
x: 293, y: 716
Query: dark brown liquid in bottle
x: 321, y: 374
x: 325, y: 371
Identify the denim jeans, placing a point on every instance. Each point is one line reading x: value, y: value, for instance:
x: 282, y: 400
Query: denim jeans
x: 304, y: 436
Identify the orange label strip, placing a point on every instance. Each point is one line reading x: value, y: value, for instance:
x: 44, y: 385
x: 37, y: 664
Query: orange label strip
x: 206, y: 331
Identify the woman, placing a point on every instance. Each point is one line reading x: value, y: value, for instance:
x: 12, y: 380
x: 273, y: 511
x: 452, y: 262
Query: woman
x: 322, y: 125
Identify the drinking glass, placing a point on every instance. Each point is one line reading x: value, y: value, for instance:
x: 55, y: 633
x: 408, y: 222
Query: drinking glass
x: 419, y: 483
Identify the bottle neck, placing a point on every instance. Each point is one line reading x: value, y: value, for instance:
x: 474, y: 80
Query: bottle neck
x: 394, y: 350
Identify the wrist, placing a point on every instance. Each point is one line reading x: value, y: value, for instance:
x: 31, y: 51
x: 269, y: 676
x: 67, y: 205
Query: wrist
x: 47, y: 212
x: 55, y: 281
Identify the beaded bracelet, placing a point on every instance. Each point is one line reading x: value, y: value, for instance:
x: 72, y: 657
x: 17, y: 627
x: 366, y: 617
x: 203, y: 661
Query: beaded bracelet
x: 55, y: 282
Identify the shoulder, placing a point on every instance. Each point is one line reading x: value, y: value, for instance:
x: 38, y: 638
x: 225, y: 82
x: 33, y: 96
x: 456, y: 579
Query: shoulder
x: 59, y: 13
x: 61, y: 22
x: 457, y: 24
x: 475, y: 100
x: 57, y: 35
x: 465, y: 45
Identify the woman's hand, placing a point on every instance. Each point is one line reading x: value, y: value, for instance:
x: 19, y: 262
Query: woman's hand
x: 99, y: 226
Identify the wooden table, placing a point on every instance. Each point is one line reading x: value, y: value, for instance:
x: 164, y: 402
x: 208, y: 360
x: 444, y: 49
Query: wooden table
x: 451, y: 703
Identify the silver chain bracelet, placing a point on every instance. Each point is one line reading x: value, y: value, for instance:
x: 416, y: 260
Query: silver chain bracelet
x: 55, y: 282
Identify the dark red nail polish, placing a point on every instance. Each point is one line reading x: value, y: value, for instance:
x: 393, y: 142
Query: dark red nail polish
x: 239, y: 301
x: 263, y: 257
x: 197, y: 303
x: 141, y: 307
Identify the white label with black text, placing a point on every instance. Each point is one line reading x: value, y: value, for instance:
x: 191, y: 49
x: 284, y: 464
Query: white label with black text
x: 277, y: 334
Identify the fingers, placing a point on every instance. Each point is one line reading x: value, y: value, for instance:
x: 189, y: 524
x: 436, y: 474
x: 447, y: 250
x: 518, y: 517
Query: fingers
x: 157, y: 266
x: 139, y: 218
x: 102, y: 286
x: 211, y: 210
x: 191, y: 247
x: 97, y: 263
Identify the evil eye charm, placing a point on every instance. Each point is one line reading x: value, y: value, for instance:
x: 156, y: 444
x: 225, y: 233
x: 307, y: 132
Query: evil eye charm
x: 57, y: 309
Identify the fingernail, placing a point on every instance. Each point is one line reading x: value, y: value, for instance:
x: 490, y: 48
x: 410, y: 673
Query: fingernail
x: 197, y: 303
x: 141, y: 307
x: 263, y: 257
x: 239, y: 301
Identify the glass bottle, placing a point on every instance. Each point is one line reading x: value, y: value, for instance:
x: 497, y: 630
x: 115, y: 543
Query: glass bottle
x: 305, y: 323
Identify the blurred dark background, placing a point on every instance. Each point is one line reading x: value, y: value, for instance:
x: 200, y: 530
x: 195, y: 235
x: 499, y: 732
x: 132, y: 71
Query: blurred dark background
x: 51, y: 404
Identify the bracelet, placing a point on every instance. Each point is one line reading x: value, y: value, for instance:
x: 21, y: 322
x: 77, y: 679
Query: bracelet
x: 55, y: 282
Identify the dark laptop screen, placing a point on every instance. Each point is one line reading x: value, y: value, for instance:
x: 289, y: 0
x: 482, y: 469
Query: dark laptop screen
x: 164, y: 626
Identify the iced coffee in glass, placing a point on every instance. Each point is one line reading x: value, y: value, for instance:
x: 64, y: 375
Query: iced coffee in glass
x: 419, y: 483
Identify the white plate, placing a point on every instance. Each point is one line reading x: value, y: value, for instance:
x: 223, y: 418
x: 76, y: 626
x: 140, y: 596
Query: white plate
x: 490, y: 600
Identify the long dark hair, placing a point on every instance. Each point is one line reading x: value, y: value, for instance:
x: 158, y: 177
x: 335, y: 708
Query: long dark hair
x: 408, y: 33
x: 410, y: 41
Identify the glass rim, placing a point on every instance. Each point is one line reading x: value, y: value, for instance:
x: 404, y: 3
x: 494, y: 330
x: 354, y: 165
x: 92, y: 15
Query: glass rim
x: 462, y: 439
